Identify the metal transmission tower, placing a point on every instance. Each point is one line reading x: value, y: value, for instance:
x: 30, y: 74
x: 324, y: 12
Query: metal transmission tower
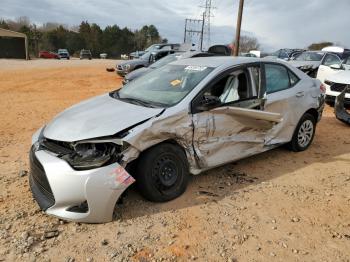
x: 207, y: 16
x: 194, y: 32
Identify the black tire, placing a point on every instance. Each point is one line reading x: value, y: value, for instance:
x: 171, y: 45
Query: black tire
x: 297, y: 144
x: 162, y: 172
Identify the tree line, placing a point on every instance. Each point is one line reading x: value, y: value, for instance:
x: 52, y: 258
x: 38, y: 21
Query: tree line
x: 112, y: 40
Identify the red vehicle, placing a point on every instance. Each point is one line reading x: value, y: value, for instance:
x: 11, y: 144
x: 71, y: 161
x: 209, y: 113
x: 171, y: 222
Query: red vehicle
x: 47, y: 54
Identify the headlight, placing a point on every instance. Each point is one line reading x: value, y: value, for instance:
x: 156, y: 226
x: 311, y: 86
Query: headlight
x: 92, y: 155
x: 127, y: 67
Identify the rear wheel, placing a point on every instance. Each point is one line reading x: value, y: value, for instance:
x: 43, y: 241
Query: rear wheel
x: 162, y: 172
x: 304, y: 133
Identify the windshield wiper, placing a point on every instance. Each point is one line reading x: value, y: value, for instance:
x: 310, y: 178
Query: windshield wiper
x: 138, y: 101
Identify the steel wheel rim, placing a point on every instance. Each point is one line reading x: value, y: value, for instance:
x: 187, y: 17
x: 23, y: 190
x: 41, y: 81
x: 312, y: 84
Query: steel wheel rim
x: 165, y: 173
x: 305, y: 133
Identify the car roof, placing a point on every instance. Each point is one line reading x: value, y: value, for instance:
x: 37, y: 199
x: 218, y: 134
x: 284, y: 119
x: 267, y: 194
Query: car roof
x: 217, y: 61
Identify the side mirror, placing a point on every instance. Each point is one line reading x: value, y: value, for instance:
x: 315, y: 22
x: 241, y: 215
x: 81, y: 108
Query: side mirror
x: 336, y: 67
x: 208, y: 102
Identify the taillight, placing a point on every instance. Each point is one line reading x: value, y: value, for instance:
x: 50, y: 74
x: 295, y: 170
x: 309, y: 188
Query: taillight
x: 323, y: 88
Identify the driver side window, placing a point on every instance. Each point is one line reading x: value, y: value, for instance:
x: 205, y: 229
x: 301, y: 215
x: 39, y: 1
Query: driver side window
x: 236, y: 86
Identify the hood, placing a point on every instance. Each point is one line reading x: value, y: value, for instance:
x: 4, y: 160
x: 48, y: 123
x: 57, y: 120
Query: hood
x: 137, y: 73
x: 134, y: 62
x: 342, y: 77
x: 298, y: 64
x: 97, y: 117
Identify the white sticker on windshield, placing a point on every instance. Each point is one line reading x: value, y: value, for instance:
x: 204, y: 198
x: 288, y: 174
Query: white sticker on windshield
x: 195, y: 68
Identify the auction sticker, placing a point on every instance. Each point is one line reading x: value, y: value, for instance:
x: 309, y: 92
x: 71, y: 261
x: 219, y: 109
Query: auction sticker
x: 196, y: 68
x: 122, y: 177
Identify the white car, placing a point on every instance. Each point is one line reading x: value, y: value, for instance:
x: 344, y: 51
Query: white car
x: 185, y: 117
x: 335, y: 84
x: 338, y: 74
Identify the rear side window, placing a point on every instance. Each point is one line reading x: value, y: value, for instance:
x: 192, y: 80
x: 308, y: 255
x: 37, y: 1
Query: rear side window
x: 293, y: 78
x: 277, y: 78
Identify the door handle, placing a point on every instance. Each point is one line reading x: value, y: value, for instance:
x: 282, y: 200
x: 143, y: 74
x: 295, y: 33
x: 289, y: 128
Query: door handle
x: 300, y: 94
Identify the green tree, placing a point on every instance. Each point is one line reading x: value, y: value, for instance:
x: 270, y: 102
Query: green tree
x: 319, y: 46
x: 4, y: 25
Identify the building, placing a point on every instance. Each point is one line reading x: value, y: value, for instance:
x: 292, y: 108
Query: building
x: 13, y: 44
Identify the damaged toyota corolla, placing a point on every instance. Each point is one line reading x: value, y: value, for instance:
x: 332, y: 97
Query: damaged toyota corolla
x: 181, y: 119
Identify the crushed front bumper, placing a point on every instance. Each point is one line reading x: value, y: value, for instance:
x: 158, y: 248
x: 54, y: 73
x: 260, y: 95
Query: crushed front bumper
x: 61, y: 191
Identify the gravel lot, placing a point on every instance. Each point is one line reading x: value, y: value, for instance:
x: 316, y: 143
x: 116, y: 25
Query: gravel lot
x: 277, y: 206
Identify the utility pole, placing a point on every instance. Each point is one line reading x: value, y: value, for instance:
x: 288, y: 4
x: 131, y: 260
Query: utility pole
x: 202, y: 33
x: 235, y: 51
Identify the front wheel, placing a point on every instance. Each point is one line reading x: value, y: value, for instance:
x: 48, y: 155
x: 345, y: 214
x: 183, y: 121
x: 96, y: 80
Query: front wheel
x: 162, y: 172
x: 303, y: 134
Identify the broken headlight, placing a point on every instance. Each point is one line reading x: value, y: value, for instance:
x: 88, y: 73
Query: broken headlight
x: 92, y: 155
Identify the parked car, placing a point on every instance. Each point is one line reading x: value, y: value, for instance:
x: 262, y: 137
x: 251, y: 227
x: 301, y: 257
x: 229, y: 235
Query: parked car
x: 48, y: 55
x: 63, y: 54
x: 103, y: 55
x: 310, y: 61
x: 216, y: 50
x: 334, y: 78
x: 332, y: 66
x: 286, y: 54
x: 154, y: 47
x: 335, y: 84
x: 147, y: 59
x: 85, y: 54
x: 340, y: 111
x: 185, y: 117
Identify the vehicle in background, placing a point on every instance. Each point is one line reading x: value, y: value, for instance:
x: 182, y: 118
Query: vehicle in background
x: 103, y: 55
x: 186, y: 117
x: 335, y: 85
x: 48, y: 55
x: 339, y: 109
x: 147, y: 59
x: 310, y: 61
x: 136, y: 54
x: 216, y: 50
x: 63, y: 54
x: 334, y: 63
x: 286, y: 54
x: 85, y: 54
x: 248, y: 55
x: 154, y: 47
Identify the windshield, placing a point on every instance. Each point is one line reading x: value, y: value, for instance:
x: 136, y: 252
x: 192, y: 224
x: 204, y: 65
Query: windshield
x: 309, y: 56
x: 152, y: 48
x: 164, y: 61
x: 163, y: 87
x: 145, y: 56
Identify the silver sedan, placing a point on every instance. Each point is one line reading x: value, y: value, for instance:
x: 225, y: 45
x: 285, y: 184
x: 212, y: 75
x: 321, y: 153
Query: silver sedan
x: 181, y: 119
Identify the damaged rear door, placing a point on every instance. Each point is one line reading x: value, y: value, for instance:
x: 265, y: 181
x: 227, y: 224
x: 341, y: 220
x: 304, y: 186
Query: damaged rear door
x: 228, y: 117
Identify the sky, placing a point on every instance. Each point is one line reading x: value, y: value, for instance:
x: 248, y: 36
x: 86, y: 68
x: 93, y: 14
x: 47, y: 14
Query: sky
x: 276, y: 23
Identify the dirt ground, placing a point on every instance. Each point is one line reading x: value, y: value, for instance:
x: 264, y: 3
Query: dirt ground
x: 276, y: 206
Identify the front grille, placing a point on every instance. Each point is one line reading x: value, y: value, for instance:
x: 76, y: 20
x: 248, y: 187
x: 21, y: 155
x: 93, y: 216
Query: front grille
x: 39, y: 184
x: 338, y: 87
x: 119, y: 67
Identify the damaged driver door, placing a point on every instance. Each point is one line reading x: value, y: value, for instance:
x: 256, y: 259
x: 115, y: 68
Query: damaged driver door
x: 228, y: 117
